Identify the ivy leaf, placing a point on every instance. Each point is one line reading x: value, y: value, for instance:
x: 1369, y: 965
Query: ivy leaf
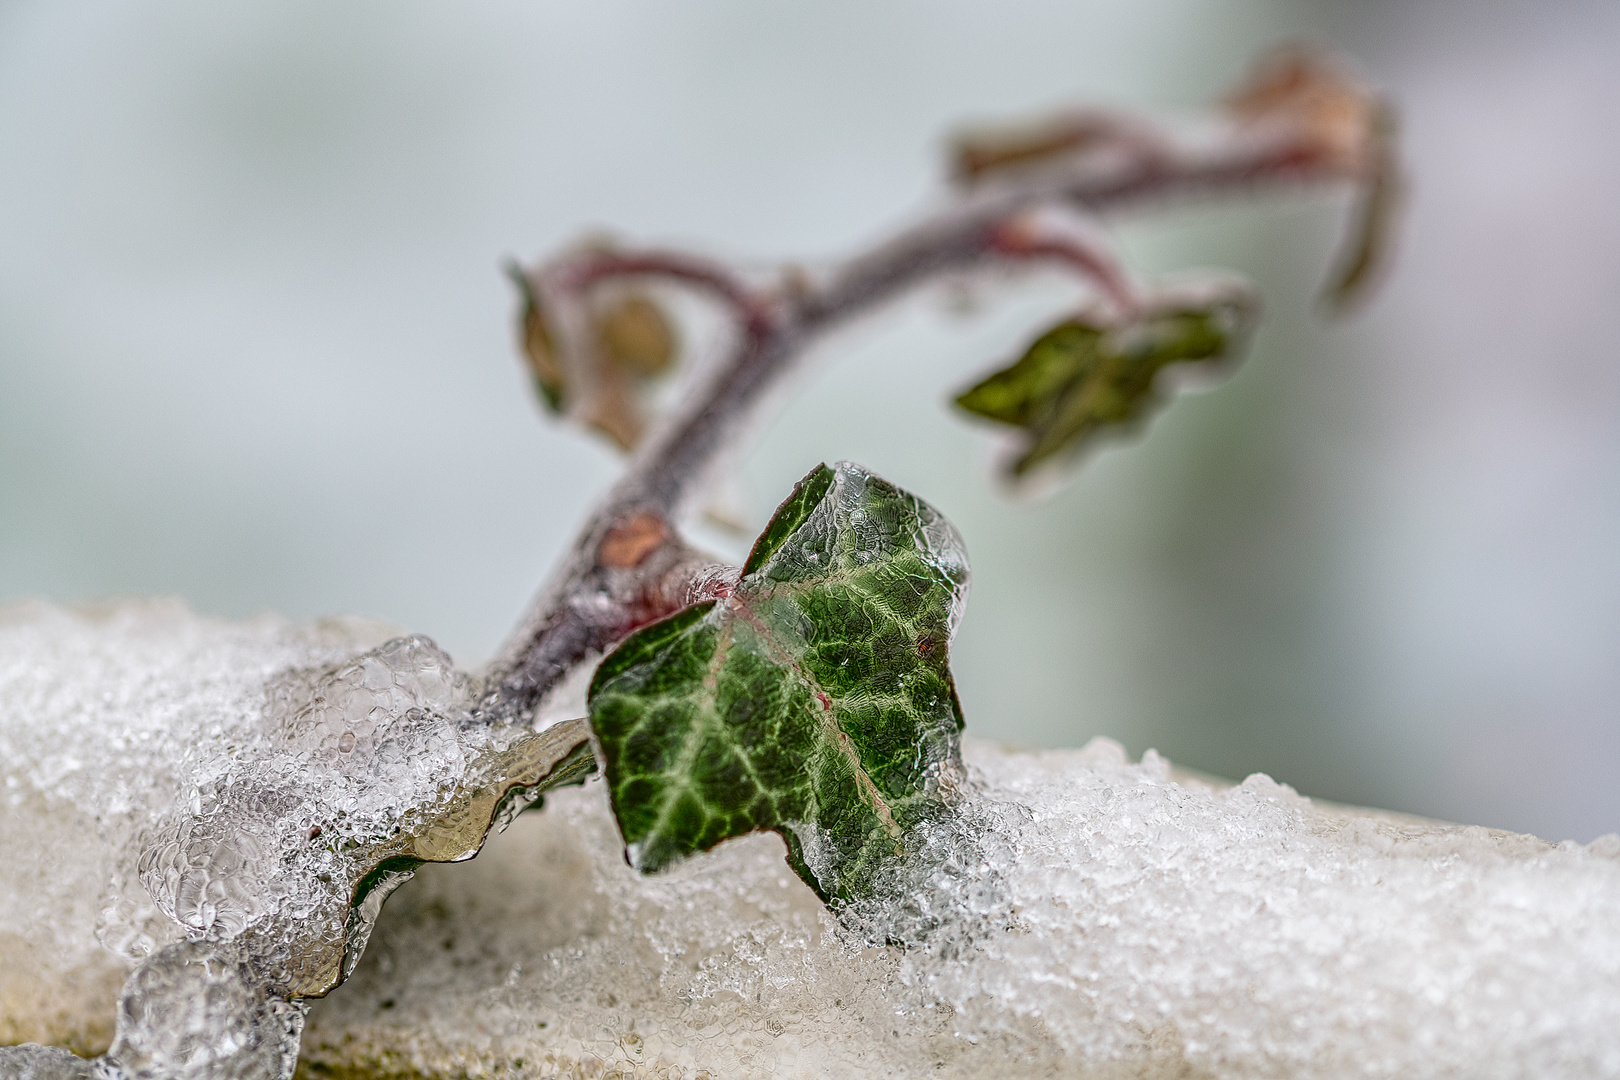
x: 1081, y: 378
x: 814, y: 700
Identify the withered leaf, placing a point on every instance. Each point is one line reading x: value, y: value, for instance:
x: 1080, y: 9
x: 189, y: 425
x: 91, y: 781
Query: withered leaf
x: 636, y: 334
x: 538, y: 344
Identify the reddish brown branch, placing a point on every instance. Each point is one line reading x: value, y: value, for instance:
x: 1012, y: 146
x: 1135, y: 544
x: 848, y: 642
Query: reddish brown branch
x: 591, y: 602
x: 579, y: 273
x: 1093, y: 262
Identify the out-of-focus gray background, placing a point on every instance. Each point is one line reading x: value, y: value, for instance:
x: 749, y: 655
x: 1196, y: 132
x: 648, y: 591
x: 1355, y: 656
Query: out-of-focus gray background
x: 254, y: 350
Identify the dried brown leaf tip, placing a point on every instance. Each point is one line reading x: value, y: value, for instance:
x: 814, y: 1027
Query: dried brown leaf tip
x: 1344, y: 125
x: 1365, y: 252
x: 1301, y: 88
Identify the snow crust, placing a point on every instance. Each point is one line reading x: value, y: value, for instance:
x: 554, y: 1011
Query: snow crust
x: 1078, y: 915
x: 1094, y: 918
x: 104, y: 713
x: 219, y: 798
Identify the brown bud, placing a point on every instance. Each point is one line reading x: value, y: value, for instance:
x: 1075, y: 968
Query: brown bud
x: 631, y: 540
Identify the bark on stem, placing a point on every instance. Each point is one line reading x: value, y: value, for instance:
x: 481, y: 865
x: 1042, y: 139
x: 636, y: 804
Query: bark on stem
x: 591, y: 601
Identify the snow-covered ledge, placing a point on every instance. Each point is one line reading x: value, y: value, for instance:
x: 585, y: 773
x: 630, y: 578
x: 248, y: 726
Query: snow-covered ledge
x: 1089, y: 916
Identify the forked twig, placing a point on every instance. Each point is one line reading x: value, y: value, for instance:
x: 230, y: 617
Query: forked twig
x: 1299, y: 122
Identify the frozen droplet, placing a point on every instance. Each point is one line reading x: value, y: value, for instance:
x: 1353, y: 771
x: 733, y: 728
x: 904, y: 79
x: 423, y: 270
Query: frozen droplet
x: 199, y: 1012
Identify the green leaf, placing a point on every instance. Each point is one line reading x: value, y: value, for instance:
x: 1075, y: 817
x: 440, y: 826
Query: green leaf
x: 1079, y: 379
x: 815, y: 700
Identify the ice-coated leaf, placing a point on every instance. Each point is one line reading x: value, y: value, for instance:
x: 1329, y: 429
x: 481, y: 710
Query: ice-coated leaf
x: 814, y: 700
x: 1081, y: 378
x: 501, y: 784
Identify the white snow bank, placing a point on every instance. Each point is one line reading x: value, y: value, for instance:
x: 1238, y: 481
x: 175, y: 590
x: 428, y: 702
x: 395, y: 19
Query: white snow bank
x: 1118, y: 922
x: 103, y: 711
x: 1081, y: 916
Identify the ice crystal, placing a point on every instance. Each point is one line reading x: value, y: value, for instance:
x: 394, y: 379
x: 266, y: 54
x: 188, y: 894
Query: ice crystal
x: 245, y: 847
x: 108, y: 716
x: 376, y: 760
x: 198, y: 1011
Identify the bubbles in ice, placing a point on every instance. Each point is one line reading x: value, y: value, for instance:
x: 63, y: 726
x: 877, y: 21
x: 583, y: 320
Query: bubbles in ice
x: 274, y: 833
x: 191, y: 1011
x: 105, y: 713
x: 202, y: 1012
x: 245, y: 848
x: 360, y: 771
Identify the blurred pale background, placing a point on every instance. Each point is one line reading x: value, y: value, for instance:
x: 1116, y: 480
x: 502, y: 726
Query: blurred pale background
x: 255, y: 351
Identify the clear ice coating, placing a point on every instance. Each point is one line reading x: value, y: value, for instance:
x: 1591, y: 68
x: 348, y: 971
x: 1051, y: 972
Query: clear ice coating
x: 32, y: 1061
x: 197, y: 1011
x: 1080, y: 915
x: 813, y: 698
x: 224, y: 808
x: 107, y: 717
x: 191, y: 1011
